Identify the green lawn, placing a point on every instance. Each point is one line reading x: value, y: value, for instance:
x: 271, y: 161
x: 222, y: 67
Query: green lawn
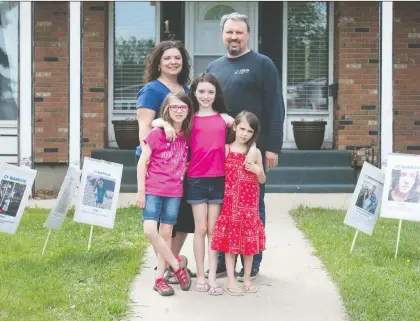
x: 68, y: 282
x: 374, y: 286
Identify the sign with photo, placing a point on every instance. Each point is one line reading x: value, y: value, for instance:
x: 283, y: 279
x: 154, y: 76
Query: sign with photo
x: 98, y: 193
x: 401, y: 195
x: 58, y: 213
x: 366, y: 201
x: 15, y: 187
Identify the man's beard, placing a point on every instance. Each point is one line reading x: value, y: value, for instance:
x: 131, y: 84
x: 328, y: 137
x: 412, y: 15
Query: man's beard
x: 234, y: 52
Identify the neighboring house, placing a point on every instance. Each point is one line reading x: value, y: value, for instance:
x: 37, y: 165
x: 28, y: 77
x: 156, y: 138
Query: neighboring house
x: 327, y: 53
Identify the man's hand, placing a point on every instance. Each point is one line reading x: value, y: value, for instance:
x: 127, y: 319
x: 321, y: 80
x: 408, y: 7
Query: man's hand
x: 170, y: 132
x: 271, y: 160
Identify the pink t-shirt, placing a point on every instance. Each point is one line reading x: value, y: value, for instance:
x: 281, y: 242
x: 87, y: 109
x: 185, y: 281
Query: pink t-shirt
x: 168, y: 162
x: 208, y: 137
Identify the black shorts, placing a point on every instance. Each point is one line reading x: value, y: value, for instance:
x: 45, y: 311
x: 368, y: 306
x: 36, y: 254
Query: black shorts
x: 209, y: 190
x: 185, y: 221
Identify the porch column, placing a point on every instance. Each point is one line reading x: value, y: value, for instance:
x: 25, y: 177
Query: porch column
x: 386, y: 81
x: 75, y: 83
x: 26, y: 97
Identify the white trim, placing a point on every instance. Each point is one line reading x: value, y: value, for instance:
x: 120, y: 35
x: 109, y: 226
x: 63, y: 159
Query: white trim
x: 330, y: 67
x: 9, y: 123
x: 189, y: 31
x: 157, y: 22
x: 386, y: 81
x: 284, y: 70
x: 253, y: 17
x: 111, y: 135
x: 75, y: 80
x: 25, y: 84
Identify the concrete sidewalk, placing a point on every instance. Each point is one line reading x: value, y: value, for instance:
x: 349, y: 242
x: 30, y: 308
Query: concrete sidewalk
x: 293, y: 284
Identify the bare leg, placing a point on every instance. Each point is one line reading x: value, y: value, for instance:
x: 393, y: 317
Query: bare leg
x: 165, y: 231
x: 150, y: 231
x: 214, y: 212
x: 178, y: 242
x: 200, y: 222
x: 232, y: 286
x: 248, y: 286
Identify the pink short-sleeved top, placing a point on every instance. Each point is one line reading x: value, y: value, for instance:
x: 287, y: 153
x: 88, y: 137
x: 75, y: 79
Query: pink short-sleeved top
x: 167, y: 166
x: 208, y: 137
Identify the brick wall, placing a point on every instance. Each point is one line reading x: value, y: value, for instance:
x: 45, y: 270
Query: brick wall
x: 406, y: 77
x: 51, y: 79
x: 51, y: 82
x: 95, y: 71
x: 356, y: 70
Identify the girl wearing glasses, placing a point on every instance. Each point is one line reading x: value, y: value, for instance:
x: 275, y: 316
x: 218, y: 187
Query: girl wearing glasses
x: 167, y: 70
x: 160, y: 175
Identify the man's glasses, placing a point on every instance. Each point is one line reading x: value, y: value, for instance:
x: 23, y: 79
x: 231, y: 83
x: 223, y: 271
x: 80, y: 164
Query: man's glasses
x: 177, y: 108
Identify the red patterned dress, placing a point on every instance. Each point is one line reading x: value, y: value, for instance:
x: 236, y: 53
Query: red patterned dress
x: 239, y: 229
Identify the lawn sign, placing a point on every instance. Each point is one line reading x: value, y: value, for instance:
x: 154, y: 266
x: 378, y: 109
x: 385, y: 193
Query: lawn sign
x: 401, y: 194
x: 98, y: 194
x: 364, y: 210
x: 58, y: 213
x: 15, y: 186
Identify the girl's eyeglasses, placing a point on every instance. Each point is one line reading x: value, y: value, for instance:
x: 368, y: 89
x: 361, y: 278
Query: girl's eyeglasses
x: 177, y: 108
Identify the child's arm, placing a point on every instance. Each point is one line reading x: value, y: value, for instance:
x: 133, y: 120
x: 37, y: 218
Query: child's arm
x: 169, y: 130
x: 257, y: 168
x: 229, y: 120
x: 141, y: 175
x: 252, y: 155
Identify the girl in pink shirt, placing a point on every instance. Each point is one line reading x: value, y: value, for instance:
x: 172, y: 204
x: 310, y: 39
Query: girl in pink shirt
x: 206, y: 173
x: 160, y: 174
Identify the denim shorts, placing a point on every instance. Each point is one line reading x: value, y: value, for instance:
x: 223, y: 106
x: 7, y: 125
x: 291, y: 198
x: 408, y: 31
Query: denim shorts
x: 206, y: 190
x: 161, y: 209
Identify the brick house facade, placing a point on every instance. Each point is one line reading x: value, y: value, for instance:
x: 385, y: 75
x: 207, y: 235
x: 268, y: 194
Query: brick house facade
x: 51, y: 79
x: 356, y: 58
x: 356, y: 73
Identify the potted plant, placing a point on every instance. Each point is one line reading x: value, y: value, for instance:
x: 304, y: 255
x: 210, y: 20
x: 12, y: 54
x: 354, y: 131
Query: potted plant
x: 126, y: 133
x: 309, y: 135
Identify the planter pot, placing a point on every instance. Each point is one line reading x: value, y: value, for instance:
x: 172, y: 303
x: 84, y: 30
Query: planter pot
x: 309, y: 135
x: 126, y: 133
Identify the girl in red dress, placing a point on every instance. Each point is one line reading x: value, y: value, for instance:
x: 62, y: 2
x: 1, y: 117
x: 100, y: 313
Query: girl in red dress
x: 239, y: 229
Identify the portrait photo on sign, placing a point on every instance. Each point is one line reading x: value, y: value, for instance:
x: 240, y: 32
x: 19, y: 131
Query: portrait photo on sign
x: 11, y: 194
x: 368, y: 197
x: 404, y: 186
x: 98, y: 192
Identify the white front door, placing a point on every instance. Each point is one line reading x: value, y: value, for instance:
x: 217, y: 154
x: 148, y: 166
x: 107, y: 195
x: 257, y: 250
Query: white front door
x: 203, y: 37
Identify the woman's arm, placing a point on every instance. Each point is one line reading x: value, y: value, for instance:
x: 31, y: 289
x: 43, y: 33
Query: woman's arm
x: 145, y: 117
x: 141, y: 175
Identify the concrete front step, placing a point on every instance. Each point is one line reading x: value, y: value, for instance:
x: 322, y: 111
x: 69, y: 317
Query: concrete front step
x: 281, y: 188
x: 116, y: 155
x: 299, y: 171
x: 288, y: 157
x: 310, y: 188
x: 313, y: 158
x: 311, y: 175
x: 129, y: 175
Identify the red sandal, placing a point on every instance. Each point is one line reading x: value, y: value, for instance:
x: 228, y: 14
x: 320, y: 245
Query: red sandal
x: 163, y: 288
